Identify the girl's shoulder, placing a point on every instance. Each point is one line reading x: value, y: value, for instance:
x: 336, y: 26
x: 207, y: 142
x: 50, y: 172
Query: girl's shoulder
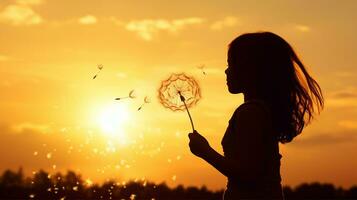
x: 253, y: 106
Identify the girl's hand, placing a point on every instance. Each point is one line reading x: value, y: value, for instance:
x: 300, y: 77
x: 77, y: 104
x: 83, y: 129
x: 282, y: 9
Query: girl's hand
x: 198, y: 144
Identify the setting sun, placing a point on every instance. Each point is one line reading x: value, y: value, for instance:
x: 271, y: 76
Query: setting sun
x: 112, y: 120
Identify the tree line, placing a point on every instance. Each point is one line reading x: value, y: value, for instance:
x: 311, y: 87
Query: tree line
x: 14, y: 185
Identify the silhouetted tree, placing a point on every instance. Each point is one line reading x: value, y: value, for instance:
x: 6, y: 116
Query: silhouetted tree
x: 13, y: 185
x: 351, y: 193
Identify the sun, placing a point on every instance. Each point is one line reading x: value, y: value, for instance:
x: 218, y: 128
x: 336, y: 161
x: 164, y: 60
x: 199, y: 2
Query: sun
x: 113, y: 119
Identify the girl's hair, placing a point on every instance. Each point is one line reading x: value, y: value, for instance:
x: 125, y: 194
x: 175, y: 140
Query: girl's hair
x: 282, y: 80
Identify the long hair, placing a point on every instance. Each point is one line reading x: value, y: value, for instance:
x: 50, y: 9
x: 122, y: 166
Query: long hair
x: 282, y: 80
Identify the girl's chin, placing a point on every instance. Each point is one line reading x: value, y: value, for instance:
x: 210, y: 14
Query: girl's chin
x: 233, y: 90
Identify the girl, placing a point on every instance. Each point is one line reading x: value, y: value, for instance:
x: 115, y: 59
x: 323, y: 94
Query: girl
x: 280, y: 98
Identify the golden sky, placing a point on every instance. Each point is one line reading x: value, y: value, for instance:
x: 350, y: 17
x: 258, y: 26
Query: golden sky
x: 54, y: 116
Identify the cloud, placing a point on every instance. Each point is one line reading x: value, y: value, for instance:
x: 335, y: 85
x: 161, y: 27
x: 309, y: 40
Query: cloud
x: 29, y: 2
x: 348, y: 124
x: 330, y: 138
x: 351, y: 102
x: 20, y: 15
x: 345, y: 94
x: 302, y: 28
x: 344, y: 98
x: 148, y: 27
x: 87, y: 20
x: 121, y: 75
x: 27, y: 126
x: 228, y: 21
x: 116, y: 21
x: 3, y: 58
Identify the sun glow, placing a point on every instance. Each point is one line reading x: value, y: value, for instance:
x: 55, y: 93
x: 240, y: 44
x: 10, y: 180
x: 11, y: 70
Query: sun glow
x: 113, y: 119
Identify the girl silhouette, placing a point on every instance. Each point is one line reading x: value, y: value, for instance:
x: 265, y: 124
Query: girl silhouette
x: 280, y: 98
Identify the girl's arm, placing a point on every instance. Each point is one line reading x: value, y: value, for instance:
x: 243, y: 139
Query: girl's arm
x: 246, y: 162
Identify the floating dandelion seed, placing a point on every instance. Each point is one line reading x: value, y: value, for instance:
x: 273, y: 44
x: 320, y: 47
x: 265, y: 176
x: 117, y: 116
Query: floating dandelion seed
x: 131, y: 95
x: 75, y: 188
x: 146, y: 100
x: 201, y: 67
x: 132, y: 197
x: 89, y: 182
x: 179, y: 92
x: 100, y: 67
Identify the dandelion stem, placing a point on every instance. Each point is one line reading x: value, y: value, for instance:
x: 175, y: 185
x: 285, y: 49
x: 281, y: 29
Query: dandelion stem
x: 188, y: 112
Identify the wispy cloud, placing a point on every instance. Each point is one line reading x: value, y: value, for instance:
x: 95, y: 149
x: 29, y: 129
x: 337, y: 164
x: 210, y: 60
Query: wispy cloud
x: 343, y: 98
x: 345, y: 94
x: 121, y: 75
x: 228, y: 21
x: 87, y: 20
x: 27, y: 126
x: 326, y: 139
x: 349, y: 124
x: 148, y: 27
x: 3, y: 58
x: 332, y: 102
x: 116, y: 21
x: 302, y: 28
x: 30, y: 2
x: 20, y: 15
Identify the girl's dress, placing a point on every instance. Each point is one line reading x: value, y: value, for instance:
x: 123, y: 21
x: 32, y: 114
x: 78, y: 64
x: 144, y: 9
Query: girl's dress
x: 268, y: 186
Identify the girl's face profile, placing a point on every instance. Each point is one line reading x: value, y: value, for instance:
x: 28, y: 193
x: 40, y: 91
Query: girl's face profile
x: 234, y: 77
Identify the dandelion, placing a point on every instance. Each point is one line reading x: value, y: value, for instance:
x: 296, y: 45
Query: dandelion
x: 146, y: 100
x: 131, y: 95
x: 100, y: 67
x: 201, y: 67
x: 179, y: 92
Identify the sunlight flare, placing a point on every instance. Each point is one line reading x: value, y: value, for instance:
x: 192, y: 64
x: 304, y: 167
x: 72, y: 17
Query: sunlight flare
x: 112, y: 121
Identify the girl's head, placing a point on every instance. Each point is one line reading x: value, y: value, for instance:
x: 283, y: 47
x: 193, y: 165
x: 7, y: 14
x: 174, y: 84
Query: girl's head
x: 265, y: 65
